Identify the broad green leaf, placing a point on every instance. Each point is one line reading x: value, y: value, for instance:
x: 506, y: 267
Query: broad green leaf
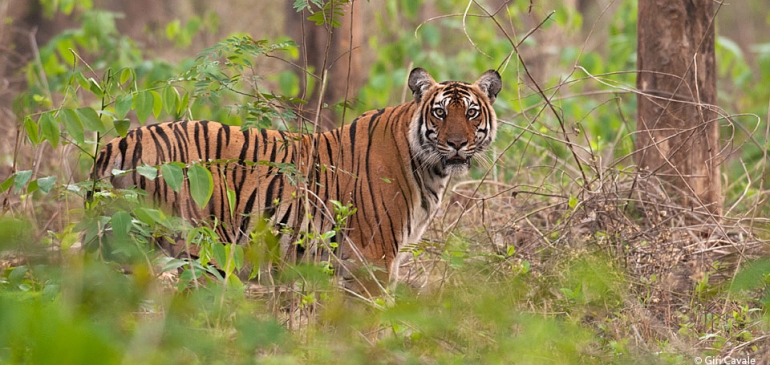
x: 95, y: 88
x: 172, y: 29
x: 67, y: 6
x: 752, y: 276
x: 173, y: 264
x: 173, y: 175
x: 7, y: 183
x: 572, y: 201
x: 234, y: 281
x: 22, y: 178
x: 125, y: 74
x: 231, y: 200
x: 201, y: 184
x: 121, y: 223
x: 46, y: 183
x: 64, y: 47
x: 32, y: 129
x: 49, y: 130
x: 121, y: 126
x: 32, y: 187
x: 182, y: 106
x: 80, y: 79
x: 108, y: 121
x: 157, y: 103
x: 17, y: 275
x: 328, y: 235
x: 91, y: 120
x: 73, y: 125
x: 238, y: 256
x: 149, y: 216
x: 143, y: 105
x: 123, y: 105
x: 147, y: 171
x: 170, y: 100
x: 220, y: 255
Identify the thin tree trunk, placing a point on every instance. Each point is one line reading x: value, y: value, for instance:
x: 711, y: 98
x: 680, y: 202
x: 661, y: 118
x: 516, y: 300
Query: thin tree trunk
x: 313, y: 47
x: 678, y: 135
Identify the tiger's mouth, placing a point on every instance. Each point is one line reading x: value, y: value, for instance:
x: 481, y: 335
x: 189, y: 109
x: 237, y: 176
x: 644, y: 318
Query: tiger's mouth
x: 455, y: 160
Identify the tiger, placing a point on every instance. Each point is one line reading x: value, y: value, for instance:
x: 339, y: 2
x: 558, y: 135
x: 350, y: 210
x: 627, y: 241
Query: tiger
x: 392, y: 165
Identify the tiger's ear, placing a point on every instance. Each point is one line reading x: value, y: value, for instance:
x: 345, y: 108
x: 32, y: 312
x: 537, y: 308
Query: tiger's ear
x: 490, y: 83
x: 419, y: 82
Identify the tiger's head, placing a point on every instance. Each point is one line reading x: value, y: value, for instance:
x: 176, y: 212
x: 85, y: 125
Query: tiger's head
x: 454, y: 120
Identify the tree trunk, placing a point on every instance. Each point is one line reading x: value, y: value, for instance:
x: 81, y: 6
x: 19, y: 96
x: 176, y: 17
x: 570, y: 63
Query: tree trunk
x: 313, y: 41
x: 678, y: 135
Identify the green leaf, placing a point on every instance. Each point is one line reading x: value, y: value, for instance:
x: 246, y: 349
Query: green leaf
x: 149, y: 216
x: 7, y: 183
x: 91, y: 120
x: 157, y: 103
x: 32, y: 129
x: 233, y: 281
x: 73, y: 125
x: 49, y: 130
x: 231, y: 200
x: 143, y: 105
x: 173, y: 264
x: 108, y: 121
x: 22, y: 178
x: 170, y: 100
x: 182, y: 106
x: 147, y: 171
x: 32, y: 187
x: 238, y: 255
x: 572, y: 201
x: 79, y: 78
x: 17, y: 275
x: 173, y: 175
x: 95, y: 88
x: 317, y: 17
x: 752, y: 276
x: 46, y: 183
x: 121, y: 126
x: 201, y: 184
x: 220, y: 255
x: 125, y: 74
x: 121, y: 223
x: 172, y: 29
x: 67, y: 6
x: 123, y: 105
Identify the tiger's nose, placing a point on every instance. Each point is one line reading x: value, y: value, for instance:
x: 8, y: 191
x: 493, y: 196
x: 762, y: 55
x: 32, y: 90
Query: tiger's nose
x: 457, y: 143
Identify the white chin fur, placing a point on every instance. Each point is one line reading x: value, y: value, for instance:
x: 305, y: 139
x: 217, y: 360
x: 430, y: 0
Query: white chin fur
x: 457, y: 170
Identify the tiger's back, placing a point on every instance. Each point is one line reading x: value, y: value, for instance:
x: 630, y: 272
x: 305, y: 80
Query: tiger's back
x: 391, y: 164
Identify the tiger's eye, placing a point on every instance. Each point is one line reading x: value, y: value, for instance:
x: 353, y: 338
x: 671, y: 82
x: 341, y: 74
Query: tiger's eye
x: 439, y: 113
x: 472, y: 113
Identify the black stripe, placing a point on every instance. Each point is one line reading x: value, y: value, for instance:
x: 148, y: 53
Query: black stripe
x: 220, y: 143
x: 197, y: 137
x: 352, y: 134
x: 137, y: 151
x: 100, y: 166
x: 160, y: 131
x: 205, y: 140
